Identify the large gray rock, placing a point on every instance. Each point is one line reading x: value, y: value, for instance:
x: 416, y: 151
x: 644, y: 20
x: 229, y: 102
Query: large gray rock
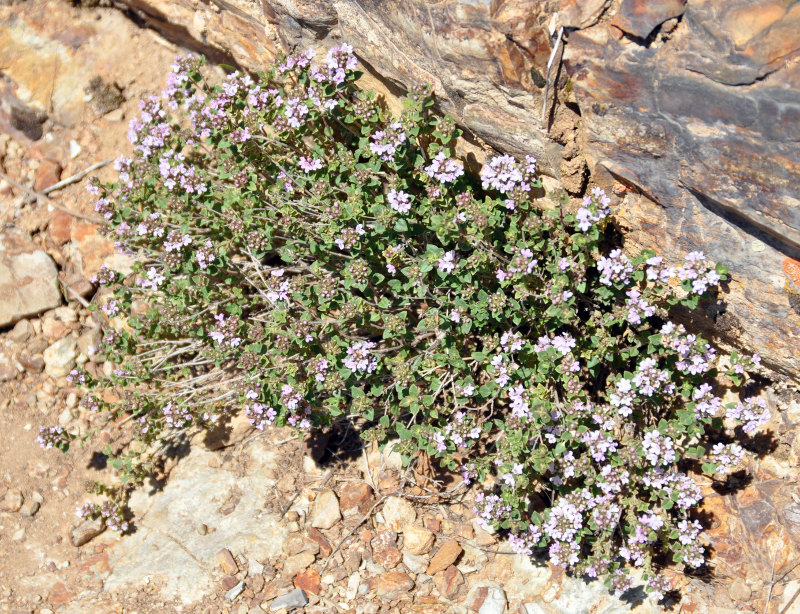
x: 28, y: 279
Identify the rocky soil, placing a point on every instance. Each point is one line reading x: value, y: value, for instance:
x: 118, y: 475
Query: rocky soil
x: 252, y: 522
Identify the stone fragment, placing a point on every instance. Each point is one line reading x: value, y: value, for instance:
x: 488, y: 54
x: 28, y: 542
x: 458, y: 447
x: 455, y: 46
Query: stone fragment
x: 352, y: 586
x: 48, y: 173
x: 417, y: 540
x: 86, y: 531
x: 325, y: 512
x: 290, y: 601
x: 234, y: 592
x: 28, y: 280
x: 495, y: 601
x: 254, y: 568
x: 398, y: 512
x: 740, y: 591
x: 415, y: 563
x: 316, y: 536
x: 227, y: 562
x: 355, y: 499
x: 59, y: 358
x: 12, y: 501
x: 309, y: 581
x: 297, y: 563
x: 393, y: 585
x: 445, y: 556
x: 22, y: 331
x: 449, y: 582
x: 29, y: 509
x: 387, y: 557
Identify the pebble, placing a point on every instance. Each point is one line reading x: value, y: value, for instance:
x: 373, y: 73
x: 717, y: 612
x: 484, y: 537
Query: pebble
x: 397, y: 513
x: 12, y: 501
x: 254, y: 568
x: 74, y: 149
x: 29, y: 509
x: 87, y: 530
x: 59, y: 358
x: 297, y: 563
x: 227, y: 562
x: 19, y: 535
x: 352, y: 586
x: 326, y: 511
x: 415, y: 563
x: 202, y: 529
x: 444, y: 557
x: 290, y: 601
x: 235, y: 592
x: 417, y: 540
x: 495, y: 602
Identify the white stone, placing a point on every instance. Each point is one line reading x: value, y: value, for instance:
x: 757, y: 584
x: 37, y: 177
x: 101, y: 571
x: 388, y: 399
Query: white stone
x: 495, y: 602
x: 397, y: 513
x: 326, y: 511
x: 59, y: 358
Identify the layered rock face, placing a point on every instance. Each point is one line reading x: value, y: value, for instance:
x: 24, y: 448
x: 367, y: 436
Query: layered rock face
x: 691, y: 104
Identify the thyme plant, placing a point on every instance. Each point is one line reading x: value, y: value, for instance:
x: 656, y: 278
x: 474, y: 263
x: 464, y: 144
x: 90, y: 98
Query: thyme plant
x: 306, y: 257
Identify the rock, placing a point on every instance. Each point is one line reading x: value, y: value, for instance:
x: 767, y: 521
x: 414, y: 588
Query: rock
x: 22, y: 331
x: 445, y: 556
x: 60, y: 228
x: 290, y: 601
x: 254, y: 568
x: 12, y: 501
x: 392, y: 585
x: 59, y: 358
x: 316, y: 536
x: 415, y: 563
x: 449, y: 582
x: 740, y: 591
x: 227, y: 562
x: 235, y: 592
x: 86, y: 531
x: 309, y: 581
x: 48, y: 173
x: 74, y: 149
x: 398, y: 512
x: 355, y: 499
x: 495, y: 601
x: 387, y: 557
x: 640, y: 18
x: 28, y: 280
x: 417, y: 540
x: 297, y: 563
x: 29, y: 509
x: 325, y: 512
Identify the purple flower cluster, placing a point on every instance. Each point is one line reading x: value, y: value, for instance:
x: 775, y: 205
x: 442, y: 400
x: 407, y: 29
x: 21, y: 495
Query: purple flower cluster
x: 360, y: 359
x: 505, y: 174
x: 176, y: 416
x: 637, y: 307
x: 386, y: 143
x: 685, y: 490
x: 50, y: 436
x: 525, y: 542
x: 300, y: 410
x: 694, y: 356
x: 226, y: 331
x: 260, y: 415
x: 112, y: 513
x: 277, y: 286
x: 752, y: 412
x: 595, y: 207
x: 462, y: 430
x: 615, y: 269
x: 658, y: 449
x: 444, y: 169
x: 726, y: 456
x: 350, y: 237
x: 489, y: 510
x: 563, y: 343
x: 399, y: 201
x: 175, y: 172
x: 699, y: 272
x: 447, y: 263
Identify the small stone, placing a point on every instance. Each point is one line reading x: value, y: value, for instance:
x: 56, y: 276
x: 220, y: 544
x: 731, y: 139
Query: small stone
x: 397, y: 512
x: 19, y: 535
x: 324, y: 545
x: 29, y: 509
x: 326, y: 512
x: 227, y: 562
x: 355, y: 499
x: 352, y: 586
x: 740, y: 591
x: 297, y: 563
x: 417, y: 540
x: 290, y: 601
x: 495, y: 602
x: 87, y: 530
x: 449, y: 582
x: 59, y: 358
x: 74, y: 149
x: 235, y: 592
x: 392, y: 585
x: 444, y: 557
x: 415, y: 563
x: 22, y: 331
x: 12, y: 501
x: 309, y: 581
x: 202, y: 529
x: 48, y: 173
x: 387, y: 557
x: 254, y: 568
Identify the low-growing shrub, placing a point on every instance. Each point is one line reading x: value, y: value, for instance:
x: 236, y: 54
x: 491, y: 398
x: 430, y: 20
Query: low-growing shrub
x: 307, y: 258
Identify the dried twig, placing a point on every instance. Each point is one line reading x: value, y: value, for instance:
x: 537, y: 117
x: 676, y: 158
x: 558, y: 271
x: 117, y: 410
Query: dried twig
x: 33, y: 195
x: 547, y: 77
